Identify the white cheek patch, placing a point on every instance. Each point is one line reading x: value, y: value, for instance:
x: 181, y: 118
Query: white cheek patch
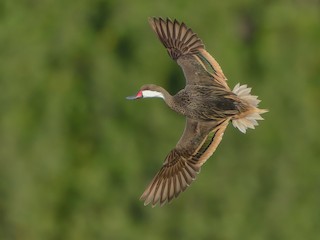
x: 152, y: 94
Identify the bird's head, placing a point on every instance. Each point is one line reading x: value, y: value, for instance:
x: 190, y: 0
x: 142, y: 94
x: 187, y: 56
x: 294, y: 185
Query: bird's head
x: 148, y: 91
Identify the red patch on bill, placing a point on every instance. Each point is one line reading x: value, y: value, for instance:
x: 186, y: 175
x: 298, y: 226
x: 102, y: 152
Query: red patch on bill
x: 139, y: 94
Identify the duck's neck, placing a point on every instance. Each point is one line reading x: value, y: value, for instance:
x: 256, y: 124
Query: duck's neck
x: 160, y: 92
x: 165, y: 96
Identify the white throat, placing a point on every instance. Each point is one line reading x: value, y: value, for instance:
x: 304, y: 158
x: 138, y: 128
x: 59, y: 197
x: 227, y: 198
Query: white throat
x: 152, y: 94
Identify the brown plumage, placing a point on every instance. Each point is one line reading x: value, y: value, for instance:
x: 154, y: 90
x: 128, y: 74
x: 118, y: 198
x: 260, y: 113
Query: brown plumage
x: 207, y: 103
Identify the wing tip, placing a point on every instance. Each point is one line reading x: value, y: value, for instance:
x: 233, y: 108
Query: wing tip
x: 169, y: 183
x: 176, y: 36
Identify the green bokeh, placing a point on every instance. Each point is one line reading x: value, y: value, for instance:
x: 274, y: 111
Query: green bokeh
x: 75, y: 155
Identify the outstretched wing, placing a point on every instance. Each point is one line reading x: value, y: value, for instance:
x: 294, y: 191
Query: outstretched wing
x: 184, y: 46
x: 197, y: 144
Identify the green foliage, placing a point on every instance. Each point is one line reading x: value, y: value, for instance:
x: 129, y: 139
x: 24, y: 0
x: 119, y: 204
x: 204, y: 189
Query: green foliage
x: 75, y: 155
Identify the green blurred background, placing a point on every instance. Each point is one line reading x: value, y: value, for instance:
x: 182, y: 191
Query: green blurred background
x: 75, y: 155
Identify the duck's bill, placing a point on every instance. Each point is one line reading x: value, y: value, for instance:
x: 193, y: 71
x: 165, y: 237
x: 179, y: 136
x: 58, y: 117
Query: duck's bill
x: 131, y: 97
x: 139, y: 95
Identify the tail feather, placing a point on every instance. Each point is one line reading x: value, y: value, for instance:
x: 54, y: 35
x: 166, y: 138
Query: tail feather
x: 249, y: 118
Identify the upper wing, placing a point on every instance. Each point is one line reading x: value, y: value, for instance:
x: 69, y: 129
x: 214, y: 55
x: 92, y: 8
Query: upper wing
x: 184, y: 46
x: 181, y: 165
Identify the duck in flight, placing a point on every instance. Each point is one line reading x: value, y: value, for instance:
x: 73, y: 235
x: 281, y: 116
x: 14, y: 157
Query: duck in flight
x: 207, y: 103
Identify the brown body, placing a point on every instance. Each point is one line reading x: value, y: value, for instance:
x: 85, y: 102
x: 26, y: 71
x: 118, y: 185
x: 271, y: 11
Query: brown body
x: 202, y: 103
x: 207, y: 103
